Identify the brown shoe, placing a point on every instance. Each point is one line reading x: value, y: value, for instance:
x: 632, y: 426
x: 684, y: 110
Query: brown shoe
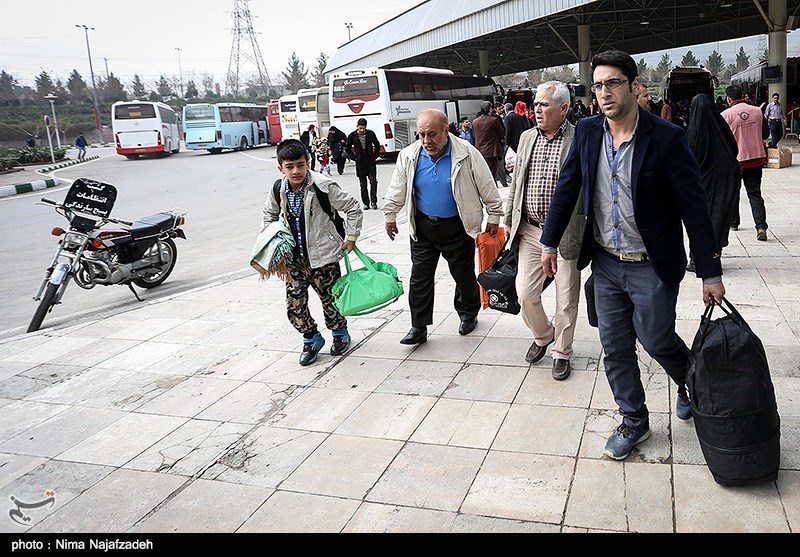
x: 761, y: 234
x: 536, y: 352
x: 561, y: 369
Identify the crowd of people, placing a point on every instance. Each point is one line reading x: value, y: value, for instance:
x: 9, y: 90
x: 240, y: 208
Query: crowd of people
x: 590, y: 187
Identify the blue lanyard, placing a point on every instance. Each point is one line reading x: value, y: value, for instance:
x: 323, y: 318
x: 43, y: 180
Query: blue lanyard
x: 613, y: 163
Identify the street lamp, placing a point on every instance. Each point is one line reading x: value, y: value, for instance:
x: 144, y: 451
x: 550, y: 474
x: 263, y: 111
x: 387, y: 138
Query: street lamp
x: 180, y: 71
x: 97, y: 123
x: 349, y: 26
x: 51, y: 97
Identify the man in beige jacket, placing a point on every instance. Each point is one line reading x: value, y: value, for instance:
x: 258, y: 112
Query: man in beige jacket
x: 444, y: 183
x: 541, y: 154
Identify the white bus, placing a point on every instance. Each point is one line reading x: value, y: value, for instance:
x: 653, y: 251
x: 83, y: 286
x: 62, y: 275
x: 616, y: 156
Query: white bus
x: 142, y: 127
x: 391, y: 99
x: 323, y: 111
x: 307, y: 109
x: 287, y: 106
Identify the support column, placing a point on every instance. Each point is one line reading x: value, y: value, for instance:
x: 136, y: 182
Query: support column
x: 483, y: 62
x: 584, y: 61
x: 777, y: 46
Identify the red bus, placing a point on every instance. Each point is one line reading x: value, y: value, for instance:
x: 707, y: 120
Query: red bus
x: 274, y: 121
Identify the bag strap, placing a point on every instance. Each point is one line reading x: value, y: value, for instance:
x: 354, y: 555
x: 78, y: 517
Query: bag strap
x: 730, y: 311
x: 325, y: 203
x: 276, y: 191
x: 365, y: 259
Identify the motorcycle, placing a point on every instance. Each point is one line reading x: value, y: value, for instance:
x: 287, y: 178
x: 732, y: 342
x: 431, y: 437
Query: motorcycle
x: 94, y: 251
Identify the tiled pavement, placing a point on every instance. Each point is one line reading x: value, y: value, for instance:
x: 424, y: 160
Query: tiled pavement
x: 160, y: 418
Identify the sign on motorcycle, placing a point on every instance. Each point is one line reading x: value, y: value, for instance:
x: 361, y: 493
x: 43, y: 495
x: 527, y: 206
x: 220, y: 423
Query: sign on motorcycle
x: 101, y: 250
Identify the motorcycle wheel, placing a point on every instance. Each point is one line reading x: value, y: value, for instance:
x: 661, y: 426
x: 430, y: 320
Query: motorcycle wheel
x: 170, y: 254
x: 45, y: 304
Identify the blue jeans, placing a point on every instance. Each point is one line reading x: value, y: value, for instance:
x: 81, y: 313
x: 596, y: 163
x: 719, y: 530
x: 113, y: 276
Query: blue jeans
x: 632, y: 303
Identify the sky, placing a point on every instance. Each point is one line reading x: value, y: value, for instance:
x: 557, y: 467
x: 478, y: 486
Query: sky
x: 141, y: 37
x: 41, y: 35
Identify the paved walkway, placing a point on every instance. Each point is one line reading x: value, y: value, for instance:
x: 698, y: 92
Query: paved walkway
x: 191, y: 414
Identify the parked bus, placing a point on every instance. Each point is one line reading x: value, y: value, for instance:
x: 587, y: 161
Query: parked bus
x: 142, y: 127
x: 288, y: 110
x: 307, y: 109
x: 274, y: 122
x: 391, y: 99
x: 214, y: 127
x: 323, y: 111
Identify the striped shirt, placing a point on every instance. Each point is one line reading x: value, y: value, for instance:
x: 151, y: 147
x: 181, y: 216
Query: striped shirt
x: 543, y: 173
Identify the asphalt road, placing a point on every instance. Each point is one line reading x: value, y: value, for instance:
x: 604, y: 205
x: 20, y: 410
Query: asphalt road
x: 224, y: 195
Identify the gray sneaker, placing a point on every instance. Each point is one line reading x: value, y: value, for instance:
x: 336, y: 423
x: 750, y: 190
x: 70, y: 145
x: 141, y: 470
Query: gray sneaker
x: 624, y: 439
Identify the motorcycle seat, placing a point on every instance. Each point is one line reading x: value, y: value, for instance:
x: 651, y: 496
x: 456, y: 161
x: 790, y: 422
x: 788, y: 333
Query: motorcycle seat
x: 152, y: 225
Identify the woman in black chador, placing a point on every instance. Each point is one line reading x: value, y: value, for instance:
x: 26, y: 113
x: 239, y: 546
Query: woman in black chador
x: 715, y: 149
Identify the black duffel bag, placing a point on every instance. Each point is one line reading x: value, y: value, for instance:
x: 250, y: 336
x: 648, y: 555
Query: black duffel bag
x: 733, y: 400
x: 499, y: 281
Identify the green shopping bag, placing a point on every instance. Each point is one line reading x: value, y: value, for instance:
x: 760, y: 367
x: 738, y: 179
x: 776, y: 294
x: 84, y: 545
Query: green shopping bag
x: 368, y: 289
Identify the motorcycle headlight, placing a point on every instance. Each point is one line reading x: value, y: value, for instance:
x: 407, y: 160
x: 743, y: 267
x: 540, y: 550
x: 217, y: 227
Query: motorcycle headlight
x: 74, y: 240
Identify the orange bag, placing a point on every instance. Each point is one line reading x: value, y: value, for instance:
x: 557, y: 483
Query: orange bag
x: 488, y: 249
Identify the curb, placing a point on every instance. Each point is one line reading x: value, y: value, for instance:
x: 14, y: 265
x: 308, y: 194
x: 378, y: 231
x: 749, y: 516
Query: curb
x: 29, y: 187
x: 53, y: 167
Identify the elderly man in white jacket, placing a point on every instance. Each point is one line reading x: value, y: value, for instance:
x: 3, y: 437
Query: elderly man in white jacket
x: 444, y: 183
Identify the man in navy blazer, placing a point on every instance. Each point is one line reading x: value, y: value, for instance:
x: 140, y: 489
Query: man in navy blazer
x: 641, y: 186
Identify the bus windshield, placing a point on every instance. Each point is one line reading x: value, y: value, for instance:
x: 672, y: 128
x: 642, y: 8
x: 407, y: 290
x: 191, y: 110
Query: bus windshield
x: 134, y: 111
x: 356, y: 87
x: 199, y: 112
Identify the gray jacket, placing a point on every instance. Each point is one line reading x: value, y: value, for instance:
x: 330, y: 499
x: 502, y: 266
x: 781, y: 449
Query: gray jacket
x: 471, y: 181
x: 323, y: 242
x: 570, y: 245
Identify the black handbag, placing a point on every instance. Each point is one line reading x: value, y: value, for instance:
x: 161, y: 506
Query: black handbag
x: 591, y: 309
x: 499, y: 282
x: 733, y: 400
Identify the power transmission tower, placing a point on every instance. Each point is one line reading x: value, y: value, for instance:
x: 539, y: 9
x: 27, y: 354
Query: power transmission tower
x: 245, y: 50
x: 762, y: 49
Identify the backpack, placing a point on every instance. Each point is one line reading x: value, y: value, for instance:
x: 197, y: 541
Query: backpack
x: 324, y: 202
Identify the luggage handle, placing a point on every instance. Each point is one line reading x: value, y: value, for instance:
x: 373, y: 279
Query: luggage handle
x: 365, y: 259
x: 731, y: 311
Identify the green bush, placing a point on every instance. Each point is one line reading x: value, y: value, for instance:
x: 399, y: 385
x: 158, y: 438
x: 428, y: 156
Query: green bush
x: 28, y: 155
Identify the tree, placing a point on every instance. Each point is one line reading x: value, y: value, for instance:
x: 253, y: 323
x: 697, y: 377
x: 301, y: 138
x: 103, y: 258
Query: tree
x: 207, y: 83
x: 155, y: 97
x: 191, y: 90
x: 565, y: 74
x: 44, y: 84
x: 742, y: 60
x: 318, y: 76
x: 689, y: 59
x: 534, y: 77
x: 137, y: 88
x: 296, y: 75
x: 644, y: 72
x: 77, y: 87
x: 7, y: 84
x: 662, y: 69
x: 163, y: 87
x: 715, y: 63
x: 113, y: 90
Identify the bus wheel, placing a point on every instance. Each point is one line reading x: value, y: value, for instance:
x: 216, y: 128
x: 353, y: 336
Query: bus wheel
x: 131, y: 157
x: 215, y: 151
x: 243, y: 144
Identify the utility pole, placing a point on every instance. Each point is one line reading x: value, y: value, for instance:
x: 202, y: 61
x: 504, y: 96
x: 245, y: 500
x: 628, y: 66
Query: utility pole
x: 106, y: 61
x: 180, y: 71
x: 97, y: 122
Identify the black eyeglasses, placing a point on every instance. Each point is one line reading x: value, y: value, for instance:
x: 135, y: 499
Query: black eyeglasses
x: 609, y: 84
